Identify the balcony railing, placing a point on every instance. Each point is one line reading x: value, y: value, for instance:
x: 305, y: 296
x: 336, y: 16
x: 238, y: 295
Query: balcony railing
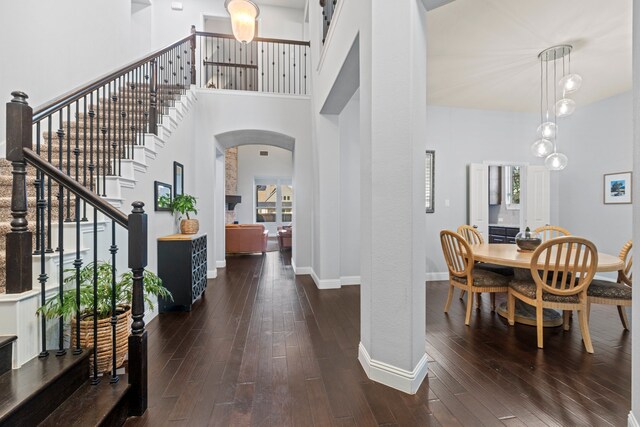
x: 264, y: 65
x: 328, y: 7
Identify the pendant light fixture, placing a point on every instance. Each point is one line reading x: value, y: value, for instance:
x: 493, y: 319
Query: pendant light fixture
x: 243, y: 19
x: 552, y: 60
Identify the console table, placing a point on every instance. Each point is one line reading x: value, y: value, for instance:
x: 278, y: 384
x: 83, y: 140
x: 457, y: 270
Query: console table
x: 182, y: 266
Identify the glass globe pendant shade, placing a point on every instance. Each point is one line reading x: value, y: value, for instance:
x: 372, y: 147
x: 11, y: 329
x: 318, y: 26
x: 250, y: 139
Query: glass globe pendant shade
x: 547, y: 130
x: 556, y: 161
x: 570, y: 83
x: 542, y: 147
x: 243, y: 19
x: 565, y: 107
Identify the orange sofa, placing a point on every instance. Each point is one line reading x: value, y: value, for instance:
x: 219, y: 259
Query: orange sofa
x: 245, y: 238
x: 284, y: 237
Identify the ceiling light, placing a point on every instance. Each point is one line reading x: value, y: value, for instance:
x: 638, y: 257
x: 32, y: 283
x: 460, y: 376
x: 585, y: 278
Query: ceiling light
x: 555, y: 67
x: 565, y: 107
x: 542, y: 147
x: 243, y: 19
x: 556, y: 161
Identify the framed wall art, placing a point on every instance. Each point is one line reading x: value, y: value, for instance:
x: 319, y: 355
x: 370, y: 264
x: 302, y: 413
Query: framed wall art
x: 617, y: 188
x: 162, y: 196
x: 429, y: 174
x: 178, y: 178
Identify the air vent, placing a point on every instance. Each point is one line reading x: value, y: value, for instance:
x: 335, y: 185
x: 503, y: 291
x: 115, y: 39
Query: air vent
x: 264, y: 153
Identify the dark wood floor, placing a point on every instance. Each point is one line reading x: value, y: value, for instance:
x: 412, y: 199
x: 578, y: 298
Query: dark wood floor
x: 265, y: 348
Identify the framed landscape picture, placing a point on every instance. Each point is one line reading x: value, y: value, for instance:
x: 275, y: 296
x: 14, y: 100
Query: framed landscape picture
x: 617, y: 188
x: 178, y: 178
x: 162, y: 196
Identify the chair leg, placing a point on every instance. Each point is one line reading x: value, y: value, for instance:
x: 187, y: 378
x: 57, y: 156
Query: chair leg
x: 623, y: 317
x: 584, y: 329
x: 588, y: 309
x: 467, y: 320
x: 511, y: 308
x: 566, y: 316
x: 462, y: 292
x: 493, y: 301
x: 449, y: 298
x: 540, y: 325
x: 478, y: 300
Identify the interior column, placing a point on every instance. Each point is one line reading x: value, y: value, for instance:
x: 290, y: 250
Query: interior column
x: 393, y: 129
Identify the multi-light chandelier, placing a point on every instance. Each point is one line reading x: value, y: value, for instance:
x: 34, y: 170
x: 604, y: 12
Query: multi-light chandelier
x: 555, y: 60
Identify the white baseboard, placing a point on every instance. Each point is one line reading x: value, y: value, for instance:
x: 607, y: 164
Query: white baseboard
x: 298, y: 271
x: 632, y: 421
x: 212, y: 274
x: 221, y: 264
x: 349, y: 280
x: 432, y: 277
x: 326, y: 283
x: 391, y: 376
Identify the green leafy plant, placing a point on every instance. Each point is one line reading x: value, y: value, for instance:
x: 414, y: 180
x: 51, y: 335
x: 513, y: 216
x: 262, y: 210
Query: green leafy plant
x: 184, y: 204
x: 67, y: 307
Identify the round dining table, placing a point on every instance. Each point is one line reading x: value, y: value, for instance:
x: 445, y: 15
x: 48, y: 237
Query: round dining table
x: 508, y: 254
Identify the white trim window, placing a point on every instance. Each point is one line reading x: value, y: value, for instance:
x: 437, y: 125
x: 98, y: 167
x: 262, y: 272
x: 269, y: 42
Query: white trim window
x: 512, y: 178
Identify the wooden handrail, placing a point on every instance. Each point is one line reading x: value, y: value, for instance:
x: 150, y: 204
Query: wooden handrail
x: 62, y: 101
x: 256, y: 39
x: 230, y: 64
x: 75, y: 187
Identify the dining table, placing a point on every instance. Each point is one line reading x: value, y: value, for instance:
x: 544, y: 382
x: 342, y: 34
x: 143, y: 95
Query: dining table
x: 509, y: 255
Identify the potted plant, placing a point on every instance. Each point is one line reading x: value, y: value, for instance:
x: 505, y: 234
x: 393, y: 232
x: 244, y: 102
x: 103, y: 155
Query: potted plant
x: 185, y: 204
x: 67, y: 308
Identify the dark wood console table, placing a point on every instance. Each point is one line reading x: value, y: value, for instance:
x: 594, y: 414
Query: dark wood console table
x: 182, y: 266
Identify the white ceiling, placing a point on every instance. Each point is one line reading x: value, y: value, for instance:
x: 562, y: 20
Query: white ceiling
x: 296, y: 4
x: 483, y: 53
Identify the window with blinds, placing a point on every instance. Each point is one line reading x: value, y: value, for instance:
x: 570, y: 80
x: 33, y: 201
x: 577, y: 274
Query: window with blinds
x: 429, y: 163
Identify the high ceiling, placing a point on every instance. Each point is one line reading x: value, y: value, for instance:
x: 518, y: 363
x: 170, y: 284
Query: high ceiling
x: 296, y: 4
x: 483, y: 53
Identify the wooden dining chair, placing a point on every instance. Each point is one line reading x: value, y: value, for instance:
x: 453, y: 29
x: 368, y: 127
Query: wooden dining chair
x: 615, y: 293
x: 473, y: 237
x: 562, y: 270
x: 551, y: 232
x: 463, y: 274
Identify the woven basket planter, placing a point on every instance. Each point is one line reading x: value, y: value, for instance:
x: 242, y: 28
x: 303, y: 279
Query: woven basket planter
x: 189, y: 226
x: 105, y: 338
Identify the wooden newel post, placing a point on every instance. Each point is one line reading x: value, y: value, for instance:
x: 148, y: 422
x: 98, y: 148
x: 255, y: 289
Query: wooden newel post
x: 138, y: 337
x: 193, y: 54
x: 19, y: 250
x: 153, y: 98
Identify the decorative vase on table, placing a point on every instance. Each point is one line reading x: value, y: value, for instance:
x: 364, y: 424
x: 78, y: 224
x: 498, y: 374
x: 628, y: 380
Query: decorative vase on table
x: 528, y: 240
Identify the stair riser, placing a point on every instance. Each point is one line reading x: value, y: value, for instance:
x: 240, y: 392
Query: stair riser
x: 6, y: 355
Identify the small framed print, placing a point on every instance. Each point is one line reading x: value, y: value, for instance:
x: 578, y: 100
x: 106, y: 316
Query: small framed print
x: 429, y: 175
x: 178, y: 179
x: 617, y: 188
x: 162, y: 196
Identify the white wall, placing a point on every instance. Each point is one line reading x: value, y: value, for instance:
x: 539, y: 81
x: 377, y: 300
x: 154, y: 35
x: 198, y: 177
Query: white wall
x: 48, y: 48
x: 217, y: 113
x: 349, y: 122
x: 278, y: 164
x: 460, y: 137
x: 598, y: 139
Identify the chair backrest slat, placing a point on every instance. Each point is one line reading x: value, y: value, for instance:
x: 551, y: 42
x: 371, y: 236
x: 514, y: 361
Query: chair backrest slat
x: 457, y: 253
x: 548, y: 232
x: 625, y: 275
x: 470, y: 234
x: 574, y: 264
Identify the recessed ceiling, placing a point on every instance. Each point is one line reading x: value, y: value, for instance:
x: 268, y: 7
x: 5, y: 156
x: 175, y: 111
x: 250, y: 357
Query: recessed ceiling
x: 295, y: 4
x: 483, y: 53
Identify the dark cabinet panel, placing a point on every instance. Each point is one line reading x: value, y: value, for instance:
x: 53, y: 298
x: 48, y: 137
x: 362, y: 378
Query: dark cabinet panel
x: 182, y: 266
x: 503, y: 234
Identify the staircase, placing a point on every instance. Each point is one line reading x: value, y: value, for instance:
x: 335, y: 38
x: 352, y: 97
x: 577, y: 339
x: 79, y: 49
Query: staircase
x: 74, y: 154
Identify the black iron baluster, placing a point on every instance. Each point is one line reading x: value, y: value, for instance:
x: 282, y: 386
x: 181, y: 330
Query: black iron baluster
x: 92, y: 115
x: 153, y: 106
x: 68, y: 205
x: 114, y: 315
x: 61, y: 351
x: 96, y: 164
x: 84, y: 156
x: 112, y: 129
x: 95, y: 380
x: 36, y: 184
x: 49, y: 184
x: 77, y: 263
x: 42, y: 278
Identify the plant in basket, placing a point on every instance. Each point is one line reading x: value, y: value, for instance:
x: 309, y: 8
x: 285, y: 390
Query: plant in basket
x: 67, y: 308
x: 185, y: 204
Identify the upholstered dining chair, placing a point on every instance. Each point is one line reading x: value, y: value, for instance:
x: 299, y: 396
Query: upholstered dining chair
x: 562, y: 270
x: 464, y: 275
x: 615, y: 293
x: 551, y: 232
x: 473, y: 237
